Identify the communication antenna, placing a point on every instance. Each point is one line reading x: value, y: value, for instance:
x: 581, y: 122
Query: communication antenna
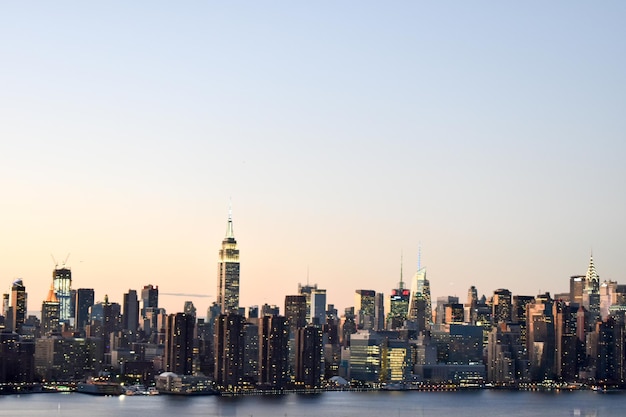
x: 419, y: 256
x: 401, y: 263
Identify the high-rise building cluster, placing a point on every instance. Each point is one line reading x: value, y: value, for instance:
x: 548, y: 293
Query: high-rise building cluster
x: 403, y: 338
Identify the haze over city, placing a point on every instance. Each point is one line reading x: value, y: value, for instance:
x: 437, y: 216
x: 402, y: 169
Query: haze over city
x: 342, y: 134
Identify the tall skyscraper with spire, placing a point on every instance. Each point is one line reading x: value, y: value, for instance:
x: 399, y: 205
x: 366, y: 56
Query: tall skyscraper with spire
x: 420, y: 304
x: 591, y: 290
x: 398, y: 304
x: 228, y: 272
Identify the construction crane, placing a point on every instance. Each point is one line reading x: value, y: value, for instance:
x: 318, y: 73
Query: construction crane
x: 56, y: 264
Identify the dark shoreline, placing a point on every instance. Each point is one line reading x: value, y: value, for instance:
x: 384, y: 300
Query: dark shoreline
x: 37, y: 388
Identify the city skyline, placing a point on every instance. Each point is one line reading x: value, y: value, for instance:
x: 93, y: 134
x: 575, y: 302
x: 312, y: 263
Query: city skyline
x: 345, y: 135
x: 229, y: 253
x: 593, y: 279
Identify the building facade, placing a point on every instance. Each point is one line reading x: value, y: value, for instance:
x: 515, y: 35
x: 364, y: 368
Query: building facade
x: 228, y: 272
x: 85, y: 298
x: 62, y: 281
x: 179, y: 340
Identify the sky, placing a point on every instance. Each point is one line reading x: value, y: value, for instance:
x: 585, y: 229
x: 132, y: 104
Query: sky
x: 344, y: 135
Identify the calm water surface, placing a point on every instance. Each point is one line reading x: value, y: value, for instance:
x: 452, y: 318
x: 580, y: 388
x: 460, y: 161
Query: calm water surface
x: 341, y: 404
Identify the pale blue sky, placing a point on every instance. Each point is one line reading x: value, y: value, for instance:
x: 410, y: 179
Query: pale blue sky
x: 343, y: 132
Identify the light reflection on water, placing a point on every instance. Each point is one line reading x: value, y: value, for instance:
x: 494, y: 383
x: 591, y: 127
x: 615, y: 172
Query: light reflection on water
x: 340, y: 404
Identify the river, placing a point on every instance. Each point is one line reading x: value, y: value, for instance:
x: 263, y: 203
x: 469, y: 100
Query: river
x: 341, y: 404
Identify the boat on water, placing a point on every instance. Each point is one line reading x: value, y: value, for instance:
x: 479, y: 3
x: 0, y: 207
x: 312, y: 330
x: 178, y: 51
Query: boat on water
x: 95, y: 386
x: 140, y: 390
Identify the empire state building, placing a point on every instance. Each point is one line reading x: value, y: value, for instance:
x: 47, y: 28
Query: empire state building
x: 228, y: 272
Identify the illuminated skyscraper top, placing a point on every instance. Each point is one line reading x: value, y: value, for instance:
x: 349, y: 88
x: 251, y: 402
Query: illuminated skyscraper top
x: 398, y: 304
x: 62, y: 282
x: 592, y: 280
x: 591, y: 292
x: 228, y: 272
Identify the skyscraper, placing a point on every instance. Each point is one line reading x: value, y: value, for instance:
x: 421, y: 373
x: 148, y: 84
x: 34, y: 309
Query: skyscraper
x: 273, y: 351
x: 130, y: 315
x: 519, y: 314
x: 228, y: 272
x: 309, y: 369
x: 398, y: 305
x: 306, y: 291
x: 379, y: 311
x: 576, y: 289
x: 84, y: 301
x: 295, y: 312
x: 18, y: 304
x: 420, y: 304
x: 566, y: 360
x: 62, y: 282
x: 251, y: 351
x: 150, y: 310
x: 398, y: 308
x: 50, y: 313
x: 453, y: 313
x: 470, y: 307
x: 318, y: 306
x: 440, y: 308
x: 591, y: 291
x: 5, y: 305
x: 229, y: 350
x: 501, y: 306
x: 179, y: 343
x: 364, y: 309
x: 149, y: 298
x: 540, y: 338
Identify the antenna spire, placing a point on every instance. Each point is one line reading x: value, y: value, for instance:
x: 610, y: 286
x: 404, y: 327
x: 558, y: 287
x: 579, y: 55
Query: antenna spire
x: 419, y: 256
x: 229, y: 229
x: 401, y: 263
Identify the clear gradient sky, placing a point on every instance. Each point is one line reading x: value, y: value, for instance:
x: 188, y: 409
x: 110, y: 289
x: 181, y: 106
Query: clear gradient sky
x: 345, y: 133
